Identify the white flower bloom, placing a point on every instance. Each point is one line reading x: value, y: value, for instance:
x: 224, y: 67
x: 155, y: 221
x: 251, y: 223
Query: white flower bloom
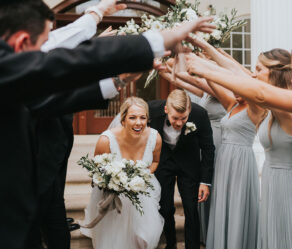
x: 190, y: 127
x: 113, y: 186
x: 141, y: 164
x: 98, y: 159
x: 156, y: 25
x: 123, y: 178
x: 97, y: 179
x: 137, y: 184
x: 206, y: 36
x: 216, y: 34
x: 116, y: 167
x: 207, y: 13
x: 191, y: 15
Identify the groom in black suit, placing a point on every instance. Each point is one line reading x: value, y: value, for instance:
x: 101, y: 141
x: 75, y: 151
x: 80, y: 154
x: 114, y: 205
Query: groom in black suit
x: 187, y: 156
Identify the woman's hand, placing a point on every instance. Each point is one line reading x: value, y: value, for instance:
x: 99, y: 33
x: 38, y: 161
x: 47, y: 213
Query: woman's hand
x: 108, y: 32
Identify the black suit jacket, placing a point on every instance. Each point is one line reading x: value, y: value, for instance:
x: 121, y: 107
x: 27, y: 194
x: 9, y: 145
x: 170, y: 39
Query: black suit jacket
x: 30, y: 75
x: 53, y: 122
x: 194, y: 152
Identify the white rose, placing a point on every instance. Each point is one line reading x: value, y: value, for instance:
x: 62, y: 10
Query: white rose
x: 137, y: 184
x: 217, y: 34
x: 206, y: 36
x: 113, y: 186
x: 98, y: 159
x: 97, y: 179
x: 116, y: 167
x: 191, y: 15
x: 141, y: 164
x: 123, y: 178
x: 156, y: 25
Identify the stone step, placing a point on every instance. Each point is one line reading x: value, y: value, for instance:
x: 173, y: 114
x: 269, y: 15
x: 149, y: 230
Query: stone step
x: 80, y: 241
x: 77, y: 196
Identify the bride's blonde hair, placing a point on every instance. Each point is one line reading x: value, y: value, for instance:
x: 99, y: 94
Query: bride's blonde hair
x: 130, y: 102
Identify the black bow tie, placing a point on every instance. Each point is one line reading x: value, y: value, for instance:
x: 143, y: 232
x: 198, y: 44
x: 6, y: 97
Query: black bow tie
x: 167, y: 122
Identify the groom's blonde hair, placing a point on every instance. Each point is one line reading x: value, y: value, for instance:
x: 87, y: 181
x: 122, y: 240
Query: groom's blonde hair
x: 130, y: 102
x: 179, y: 100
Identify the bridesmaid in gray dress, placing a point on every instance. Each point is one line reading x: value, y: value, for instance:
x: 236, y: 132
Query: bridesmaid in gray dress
x: 275, y: 132
x: 275, y: 227
x: 215, y: 112
x: 235, y: 196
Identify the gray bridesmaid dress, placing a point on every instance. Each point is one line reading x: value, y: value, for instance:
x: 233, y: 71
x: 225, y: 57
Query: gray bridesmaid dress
x: 235, y: 195
x: 275, y: 225
x: 215, y: 112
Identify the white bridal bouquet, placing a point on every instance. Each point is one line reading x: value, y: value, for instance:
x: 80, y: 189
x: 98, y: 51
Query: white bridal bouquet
x: 117, y: 177
x: 185, y: 11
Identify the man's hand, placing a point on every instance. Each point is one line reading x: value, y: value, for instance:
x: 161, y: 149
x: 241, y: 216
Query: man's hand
x: 204, y: 192
x: 173, y: 36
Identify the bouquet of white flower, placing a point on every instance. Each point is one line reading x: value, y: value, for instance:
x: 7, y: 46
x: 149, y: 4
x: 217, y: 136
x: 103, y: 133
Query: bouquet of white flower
x: 185, y: 11
x: 119, y: 177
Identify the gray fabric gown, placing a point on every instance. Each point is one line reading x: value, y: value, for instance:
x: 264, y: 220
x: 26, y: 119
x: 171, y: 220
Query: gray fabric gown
x: 275, y: 225
x: 235, y: 195
x: 215, y: 112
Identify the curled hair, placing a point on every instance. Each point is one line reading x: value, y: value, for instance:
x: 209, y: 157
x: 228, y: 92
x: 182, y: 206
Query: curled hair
x: 279, y: 63
x: 179, y: 100
x: 130, y: 102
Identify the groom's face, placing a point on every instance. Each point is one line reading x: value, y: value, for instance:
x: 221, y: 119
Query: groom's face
x: 176, y: 119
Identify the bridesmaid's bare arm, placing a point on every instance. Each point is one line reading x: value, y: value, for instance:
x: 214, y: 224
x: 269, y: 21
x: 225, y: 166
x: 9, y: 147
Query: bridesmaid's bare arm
x: 156, y: 154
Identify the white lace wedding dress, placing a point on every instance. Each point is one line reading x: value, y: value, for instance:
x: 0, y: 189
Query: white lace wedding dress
x: 127, y: 230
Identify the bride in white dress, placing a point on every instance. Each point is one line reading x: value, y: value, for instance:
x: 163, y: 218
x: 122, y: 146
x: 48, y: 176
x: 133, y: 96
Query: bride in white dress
x: 133, y: 140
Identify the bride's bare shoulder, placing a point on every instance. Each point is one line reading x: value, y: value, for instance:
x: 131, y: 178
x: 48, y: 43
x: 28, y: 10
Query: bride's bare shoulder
x: 102, y: 145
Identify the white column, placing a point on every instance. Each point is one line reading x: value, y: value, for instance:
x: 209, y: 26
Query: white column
x: 271, y: 26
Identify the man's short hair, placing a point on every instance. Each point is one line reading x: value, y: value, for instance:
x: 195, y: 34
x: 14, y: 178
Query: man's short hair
x: 26, y: 15
x: 179, y: 100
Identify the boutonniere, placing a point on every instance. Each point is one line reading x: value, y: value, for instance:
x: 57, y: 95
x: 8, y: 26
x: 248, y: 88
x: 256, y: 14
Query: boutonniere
x: 190, y: 127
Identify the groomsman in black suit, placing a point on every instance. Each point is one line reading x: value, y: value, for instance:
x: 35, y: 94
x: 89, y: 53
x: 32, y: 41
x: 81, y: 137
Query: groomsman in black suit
x: 187, y: 156
x: 26, y: 75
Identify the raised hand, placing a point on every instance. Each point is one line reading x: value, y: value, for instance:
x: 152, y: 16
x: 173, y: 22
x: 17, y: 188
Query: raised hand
x: 173, y: 36
x: 108, y: 32
x: 109, y: 7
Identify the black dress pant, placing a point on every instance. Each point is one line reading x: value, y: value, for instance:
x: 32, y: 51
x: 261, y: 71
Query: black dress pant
x: 51, y: 220
x: 167, y: 174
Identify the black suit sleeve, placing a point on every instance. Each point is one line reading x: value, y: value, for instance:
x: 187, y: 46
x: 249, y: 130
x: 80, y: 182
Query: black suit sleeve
x: 85, y: 98
x: 207, y: 148
x: 33, y: 74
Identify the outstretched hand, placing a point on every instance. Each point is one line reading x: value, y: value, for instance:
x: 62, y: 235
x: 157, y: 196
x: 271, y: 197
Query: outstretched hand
x: 108, y: 32
x: 173, y: 36
x: 109, y: 7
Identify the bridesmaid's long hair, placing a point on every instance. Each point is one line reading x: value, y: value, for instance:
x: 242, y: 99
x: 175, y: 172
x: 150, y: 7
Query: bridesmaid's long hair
x: 279, y: 63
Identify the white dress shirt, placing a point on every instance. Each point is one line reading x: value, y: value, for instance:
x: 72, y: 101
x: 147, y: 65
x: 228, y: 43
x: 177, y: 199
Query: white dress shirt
x: 83, y: 29
x: 170, y: 135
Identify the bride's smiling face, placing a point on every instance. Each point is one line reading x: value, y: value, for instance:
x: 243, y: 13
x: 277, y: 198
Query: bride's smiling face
x: 136, y: 120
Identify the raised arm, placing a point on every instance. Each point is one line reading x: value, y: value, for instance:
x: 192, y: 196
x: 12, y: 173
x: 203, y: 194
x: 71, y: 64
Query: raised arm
x: 254, y: 90
x: 218, y: 57
x: 83, y: 28
x: 86, y: 98
x: 224, y: 96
